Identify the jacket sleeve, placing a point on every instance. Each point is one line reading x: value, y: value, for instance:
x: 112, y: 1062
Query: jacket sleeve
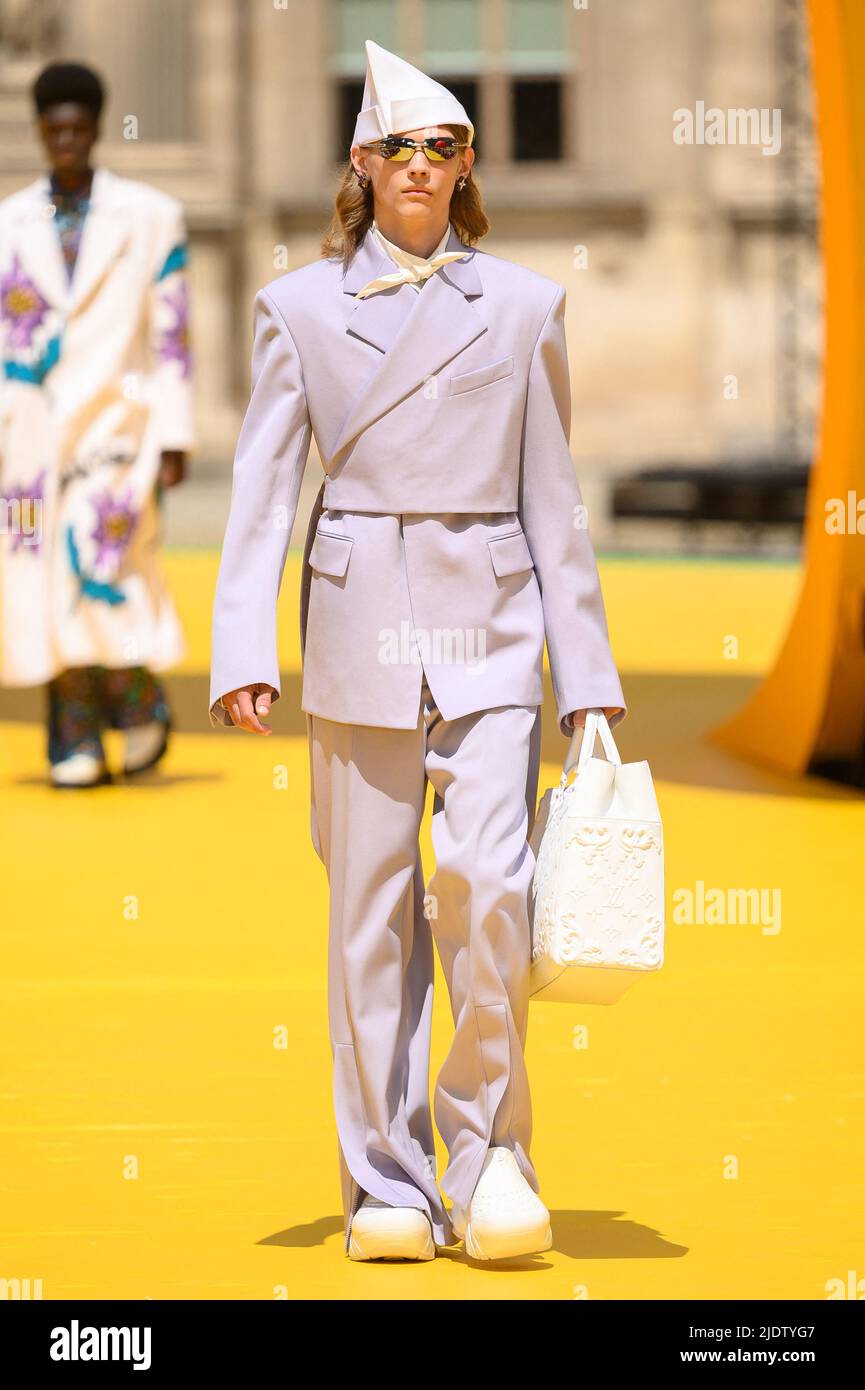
x: 171, y: 358
x: 168, y: 327
x: 582, y: 668
x: 269, y: 464
x: 3, y: 336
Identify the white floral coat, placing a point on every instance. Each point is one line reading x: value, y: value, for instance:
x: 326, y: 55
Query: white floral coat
x: 95, y: 385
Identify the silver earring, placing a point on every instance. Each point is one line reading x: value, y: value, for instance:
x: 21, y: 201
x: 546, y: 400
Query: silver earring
x: 462, y: 182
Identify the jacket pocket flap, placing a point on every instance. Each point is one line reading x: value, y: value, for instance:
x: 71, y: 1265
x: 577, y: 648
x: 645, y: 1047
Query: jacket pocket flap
x: 330, y: 552
x: 510, y: 554
x: 482, y: 376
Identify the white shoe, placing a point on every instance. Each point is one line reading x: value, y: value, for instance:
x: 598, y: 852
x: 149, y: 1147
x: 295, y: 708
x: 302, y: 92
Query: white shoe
x: 80, y: 770
x: 382, y: 1232
x: 506, y: 1216
x: 144, y: 745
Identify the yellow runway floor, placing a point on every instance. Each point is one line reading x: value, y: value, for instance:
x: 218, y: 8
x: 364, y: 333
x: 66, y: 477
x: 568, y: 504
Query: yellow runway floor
x: 166, y: 1121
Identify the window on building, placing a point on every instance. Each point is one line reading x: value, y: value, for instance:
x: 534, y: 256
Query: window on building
x: 357, y: 20
x: 349, y: 98
x: 538, y: 62
x: 536, y: 118
x: 353, y: 22
x: 452, y: 37
x: 453, y: 49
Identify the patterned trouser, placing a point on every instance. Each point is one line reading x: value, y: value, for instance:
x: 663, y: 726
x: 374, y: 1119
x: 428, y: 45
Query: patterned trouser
x: 84, y: 700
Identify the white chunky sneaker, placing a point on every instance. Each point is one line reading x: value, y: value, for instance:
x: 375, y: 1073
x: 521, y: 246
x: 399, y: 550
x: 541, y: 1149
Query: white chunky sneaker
x: 382, y: 1232
x: 80, y: 770
x: 144, y: 745
x: 505, y: 1216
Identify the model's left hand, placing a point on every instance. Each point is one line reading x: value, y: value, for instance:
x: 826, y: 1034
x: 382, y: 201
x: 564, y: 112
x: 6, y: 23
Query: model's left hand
x: 577, y: 717
x: 172, y: 468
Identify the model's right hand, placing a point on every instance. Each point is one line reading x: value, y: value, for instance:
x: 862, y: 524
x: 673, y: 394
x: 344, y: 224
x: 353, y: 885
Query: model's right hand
x: 246, y: 704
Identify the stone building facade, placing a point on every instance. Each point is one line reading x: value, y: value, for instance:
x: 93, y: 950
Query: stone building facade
x: 691, y: 267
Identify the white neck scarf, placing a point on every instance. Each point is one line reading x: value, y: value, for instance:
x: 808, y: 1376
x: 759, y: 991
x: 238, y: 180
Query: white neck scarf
x: 413, y: 270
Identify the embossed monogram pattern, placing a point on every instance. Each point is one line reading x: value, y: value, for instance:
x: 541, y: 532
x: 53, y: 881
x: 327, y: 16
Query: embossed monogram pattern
x: 599, y: 890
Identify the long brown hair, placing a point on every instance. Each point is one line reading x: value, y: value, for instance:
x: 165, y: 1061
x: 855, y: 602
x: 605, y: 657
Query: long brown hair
x: 353, y: 212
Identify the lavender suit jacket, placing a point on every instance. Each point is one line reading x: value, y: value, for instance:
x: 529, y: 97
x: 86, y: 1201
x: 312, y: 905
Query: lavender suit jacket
x: 453, y: 540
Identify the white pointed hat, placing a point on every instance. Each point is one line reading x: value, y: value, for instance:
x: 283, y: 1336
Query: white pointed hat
x: 397, y: 97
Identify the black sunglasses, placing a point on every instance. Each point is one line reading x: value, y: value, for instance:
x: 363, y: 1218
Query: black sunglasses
x: 397, y: 147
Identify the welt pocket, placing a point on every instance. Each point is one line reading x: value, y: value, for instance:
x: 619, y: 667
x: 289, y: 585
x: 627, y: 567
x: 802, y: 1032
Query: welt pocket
x: 481, y: 376
x: 510, y: 554
x: 330, y: 553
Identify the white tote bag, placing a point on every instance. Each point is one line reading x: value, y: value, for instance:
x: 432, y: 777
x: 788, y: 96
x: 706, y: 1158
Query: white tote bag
x: 598, y: 885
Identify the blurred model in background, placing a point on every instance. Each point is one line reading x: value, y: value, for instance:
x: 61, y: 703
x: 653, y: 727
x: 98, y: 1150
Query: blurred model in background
x: 95, y: 421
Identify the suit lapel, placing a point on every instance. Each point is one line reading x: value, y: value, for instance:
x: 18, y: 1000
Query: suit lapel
x: 103, y: 236
x: 417, y: 334
x: 37, y: 246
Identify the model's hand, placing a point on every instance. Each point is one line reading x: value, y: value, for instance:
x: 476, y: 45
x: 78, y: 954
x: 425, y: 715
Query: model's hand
x: 577, y: 717
x: 245, y: 704
x: 172, y: 468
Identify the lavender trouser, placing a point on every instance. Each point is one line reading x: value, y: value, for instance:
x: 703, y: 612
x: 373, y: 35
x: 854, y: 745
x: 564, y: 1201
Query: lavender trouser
x: 368, y: 792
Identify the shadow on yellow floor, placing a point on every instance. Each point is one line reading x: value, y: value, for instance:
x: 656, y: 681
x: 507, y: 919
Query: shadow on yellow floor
x: 165, y: 1111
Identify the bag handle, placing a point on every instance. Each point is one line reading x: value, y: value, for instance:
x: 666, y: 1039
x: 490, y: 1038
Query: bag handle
x: 596, y: 723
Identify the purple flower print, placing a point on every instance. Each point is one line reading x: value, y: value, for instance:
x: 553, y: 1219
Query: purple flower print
x: 173, y: 342
x: 116, y: 521
x: 30, y: 499
x: 21, y: 305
